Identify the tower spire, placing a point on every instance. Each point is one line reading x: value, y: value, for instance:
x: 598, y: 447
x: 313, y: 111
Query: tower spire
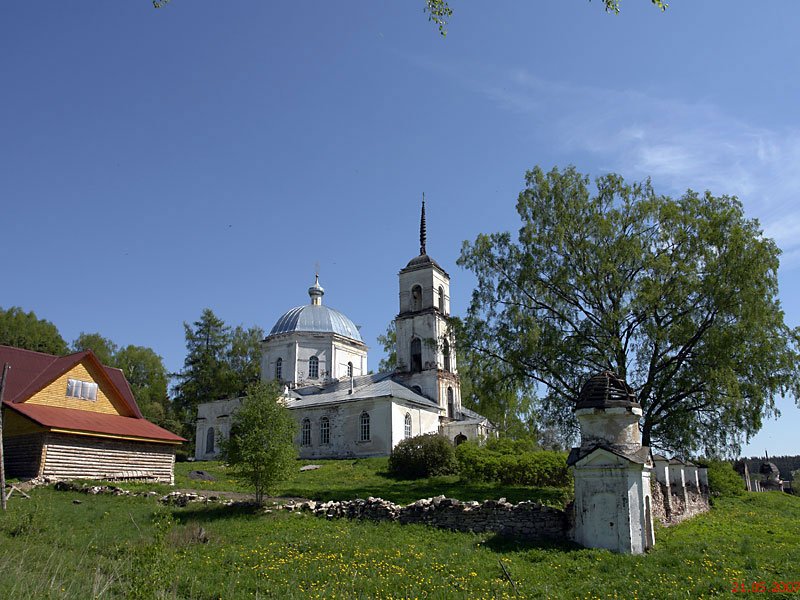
x: 423, y: 230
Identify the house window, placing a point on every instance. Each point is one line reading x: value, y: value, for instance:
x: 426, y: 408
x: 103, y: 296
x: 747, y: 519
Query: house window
x: 451, y: 403
x: 210, y: 440
x: 364, y: 427
x: 324, y: 430
x: 446, y: 353
x: 305, y: 433
x: 416, y: 355
x: 313, y: 367
x: 416, y: 297
x: 441, y: 299
x: 278, y: 368
x: 84, y: 390
x: 349, y: 369
x: 407, y: 426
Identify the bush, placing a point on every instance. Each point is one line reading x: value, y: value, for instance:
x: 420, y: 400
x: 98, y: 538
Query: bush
x: 723, y: 480
x: 509, y: 464
x: 423, y: 456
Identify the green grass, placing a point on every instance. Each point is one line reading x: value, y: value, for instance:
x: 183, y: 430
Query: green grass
x: 117, y: 547
x: 361, y: 478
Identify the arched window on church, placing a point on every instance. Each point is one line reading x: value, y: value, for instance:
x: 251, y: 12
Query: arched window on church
x: 416, y: 297
x: 407, y: 426
x: 210, y: 440
x: 349, y: 369
x: 364, y: 422
x: 441, y: 299
x: 313, y: 367
x: 459, y: 439
x: 324, y: 430
x: 446, y: 354
x: 305, y: 433
x: 416, y: 355
x: 278, y: 369
x: 451, y: 403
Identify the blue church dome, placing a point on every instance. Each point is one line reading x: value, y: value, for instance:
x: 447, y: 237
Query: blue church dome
x: 316, y: 318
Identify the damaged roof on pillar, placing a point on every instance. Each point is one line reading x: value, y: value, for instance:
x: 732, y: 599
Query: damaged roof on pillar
x: 606, y: 390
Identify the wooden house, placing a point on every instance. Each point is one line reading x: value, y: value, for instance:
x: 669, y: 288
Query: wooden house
x: 71, y: 417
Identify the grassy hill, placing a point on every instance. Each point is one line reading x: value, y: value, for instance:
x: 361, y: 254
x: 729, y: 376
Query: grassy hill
x: 121, y: 547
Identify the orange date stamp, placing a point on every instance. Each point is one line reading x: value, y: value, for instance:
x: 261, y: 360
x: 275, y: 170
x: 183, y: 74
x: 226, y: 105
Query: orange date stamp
x: 765, y: 587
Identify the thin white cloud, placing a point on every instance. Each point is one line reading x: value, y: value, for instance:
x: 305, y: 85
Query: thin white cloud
x: 678, y: 144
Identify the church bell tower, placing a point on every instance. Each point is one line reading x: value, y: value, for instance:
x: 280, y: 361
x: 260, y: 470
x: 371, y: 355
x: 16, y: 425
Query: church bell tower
x: 426, y: 357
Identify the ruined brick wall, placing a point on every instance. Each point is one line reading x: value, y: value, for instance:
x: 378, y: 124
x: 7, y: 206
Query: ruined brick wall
x: 659, y: 494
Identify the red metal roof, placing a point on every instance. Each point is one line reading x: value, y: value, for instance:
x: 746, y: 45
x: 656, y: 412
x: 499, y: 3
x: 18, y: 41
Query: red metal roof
x: 31, y: 371
x: 54, y: 417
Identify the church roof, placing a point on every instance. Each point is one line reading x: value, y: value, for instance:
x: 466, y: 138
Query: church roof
x: 316, y: 318
x: 422, y: 261
x: 379, y: 385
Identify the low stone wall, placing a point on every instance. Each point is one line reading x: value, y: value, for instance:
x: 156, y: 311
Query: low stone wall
x: 525, y: 520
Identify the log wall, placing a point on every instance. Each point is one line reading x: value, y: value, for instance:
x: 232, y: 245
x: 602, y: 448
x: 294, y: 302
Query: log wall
x: 81, y: 457
x: 22, y: 455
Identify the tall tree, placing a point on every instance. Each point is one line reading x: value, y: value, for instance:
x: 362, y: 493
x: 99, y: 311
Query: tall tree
x: 25, y: 330
x: 260, y: 449
x: 494, y: 389
x: 104, y: 349
x: 388, y: 341
x: 148, y: 378
x: 678, y: 296
x: 206, y: 374
x: 244, y: 356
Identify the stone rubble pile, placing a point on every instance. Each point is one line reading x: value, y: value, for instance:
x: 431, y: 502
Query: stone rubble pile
x: 94, y: 490
x: 529, y: 520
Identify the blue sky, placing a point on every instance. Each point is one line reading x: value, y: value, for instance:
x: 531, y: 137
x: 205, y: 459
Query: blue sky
x: 209, y: 154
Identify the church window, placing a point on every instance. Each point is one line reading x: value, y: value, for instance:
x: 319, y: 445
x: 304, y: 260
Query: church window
x: 416, y: 297
x: 349, y: 369
x: 305, y: 433
x: 324, y: 430
x: 446, y: 353
x: 416, y: 355
x: 417, y: 389
x: 210, y: 440
x: 441, y: 299
x: 278, y: 368
x: 313, y: 367
x: 451, y: 403
x: 460, y: 439
x: 364, y: 427
x: 407, y: 426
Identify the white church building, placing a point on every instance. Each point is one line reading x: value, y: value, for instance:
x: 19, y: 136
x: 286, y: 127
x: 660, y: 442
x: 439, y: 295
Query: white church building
x: 342, y: 410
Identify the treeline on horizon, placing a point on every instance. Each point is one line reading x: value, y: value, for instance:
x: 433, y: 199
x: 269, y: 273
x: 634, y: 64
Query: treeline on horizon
x: 786, y: 465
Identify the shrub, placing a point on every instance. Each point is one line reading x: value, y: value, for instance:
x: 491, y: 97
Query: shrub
x: 723, y: 480
x: 510, y: 464
x: 423, y: 456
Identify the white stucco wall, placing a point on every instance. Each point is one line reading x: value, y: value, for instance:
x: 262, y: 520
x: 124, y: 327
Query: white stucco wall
x: 422, y: 421
x: 345, y: 420
x: 296, y: 349
x: 618, y: 426
x: 217, y: 415
x: 611, y: 496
